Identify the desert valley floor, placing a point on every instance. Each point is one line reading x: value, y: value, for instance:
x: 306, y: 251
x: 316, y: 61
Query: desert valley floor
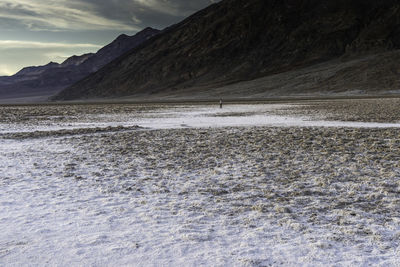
x: 298, y: 183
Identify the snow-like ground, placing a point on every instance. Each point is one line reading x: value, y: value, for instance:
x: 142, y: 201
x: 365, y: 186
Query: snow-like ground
x: 241, y: 115
x: 198, y: 185
x: 172, y: 117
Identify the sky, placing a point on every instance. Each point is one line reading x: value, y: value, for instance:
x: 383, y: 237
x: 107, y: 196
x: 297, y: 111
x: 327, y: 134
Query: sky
x: 36, y: 32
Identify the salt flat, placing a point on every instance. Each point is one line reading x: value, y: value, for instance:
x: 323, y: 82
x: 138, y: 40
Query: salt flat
x: 246, y: 185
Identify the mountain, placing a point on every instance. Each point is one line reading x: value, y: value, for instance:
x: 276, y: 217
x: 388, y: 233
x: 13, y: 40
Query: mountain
x: 118, y: 47
x: 77, y: 60
x: 44, y: 81
x: 241, y: 40
x: 33, y: 71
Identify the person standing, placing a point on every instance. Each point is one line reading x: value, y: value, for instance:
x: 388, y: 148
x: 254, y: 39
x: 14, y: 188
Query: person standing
x: 220, y: 103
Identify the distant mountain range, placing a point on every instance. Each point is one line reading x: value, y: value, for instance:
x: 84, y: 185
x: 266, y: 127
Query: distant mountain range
x: 44, y: 81
x: 259, y: 48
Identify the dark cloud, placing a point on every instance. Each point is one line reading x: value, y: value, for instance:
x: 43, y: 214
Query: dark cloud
x: 78, y: 15
x: 153, y: 13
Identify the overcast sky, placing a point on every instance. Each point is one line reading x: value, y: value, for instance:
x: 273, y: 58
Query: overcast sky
x: 35, y: 32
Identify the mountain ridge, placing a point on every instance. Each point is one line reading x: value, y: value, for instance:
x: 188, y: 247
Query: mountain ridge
x: 48, y: 79
x: 237, y: 40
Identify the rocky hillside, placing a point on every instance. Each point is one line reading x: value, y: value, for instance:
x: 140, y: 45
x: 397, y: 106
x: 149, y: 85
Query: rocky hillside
x: 53, y: 77
x: 77, y: 60
x: 237, y: 40
x: 118, y: 47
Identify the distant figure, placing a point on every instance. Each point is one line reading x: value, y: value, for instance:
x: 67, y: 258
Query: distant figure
x: 220, y: 103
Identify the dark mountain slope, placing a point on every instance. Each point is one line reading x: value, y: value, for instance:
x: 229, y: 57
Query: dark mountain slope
x: 77, y: 60
x: 118, y: 47
x: 53, y: 77
x: 237, y: 40
x: 32, y: 71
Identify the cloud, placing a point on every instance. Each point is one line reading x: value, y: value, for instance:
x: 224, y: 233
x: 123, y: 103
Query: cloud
x: 78, y: 15
x: 154, y: 13
x: 11, y: 44
x: 59, y: 15
x: 166, y: 7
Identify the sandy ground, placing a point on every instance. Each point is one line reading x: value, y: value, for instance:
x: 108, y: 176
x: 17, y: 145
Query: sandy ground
x: 248, y: 185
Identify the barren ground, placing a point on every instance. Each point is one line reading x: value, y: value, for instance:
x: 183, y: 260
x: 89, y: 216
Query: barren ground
x: 306, y: 183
